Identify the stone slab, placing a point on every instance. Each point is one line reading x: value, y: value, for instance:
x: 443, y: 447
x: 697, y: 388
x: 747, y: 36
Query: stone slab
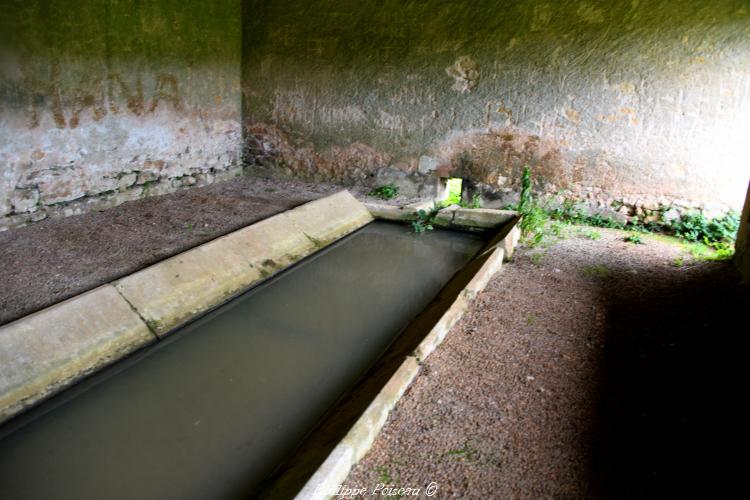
x: 360, y: 437
x: 491, y: 266
x: 392, y: 212
x: 357, y: 442
x: 511, y: 241
x: 482, y: 217
x: 45, y: 352
x: 179, y: 289
x: 326, y: 220
x: 324, y: 483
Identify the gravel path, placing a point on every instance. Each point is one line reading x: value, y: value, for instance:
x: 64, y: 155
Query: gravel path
x: 53, y: 260
x: 590, y: 369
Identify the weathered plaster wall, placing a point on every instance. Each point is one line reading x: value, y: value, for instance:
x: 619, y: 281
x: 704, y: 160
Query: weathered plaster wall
x: 103, y: 101
x: 643, y: 100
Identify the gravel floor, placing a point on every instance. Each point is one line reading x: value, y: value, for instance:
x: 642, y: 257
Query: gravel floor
x: 589, y: 369
x: 53, y: 260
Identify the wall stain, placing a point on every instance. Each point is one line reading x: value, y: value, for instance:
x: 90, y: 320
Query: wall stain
x: 99, y: 95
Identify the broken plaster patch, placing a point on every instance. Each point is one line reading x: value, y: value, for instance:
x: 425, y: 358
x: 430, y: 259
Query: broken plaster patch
x: 465, y: 72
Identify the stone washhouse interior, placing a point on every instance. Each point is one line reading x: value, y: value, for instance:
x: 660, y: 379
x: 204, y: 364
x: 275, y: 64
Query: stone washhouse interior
x: 487, y: 249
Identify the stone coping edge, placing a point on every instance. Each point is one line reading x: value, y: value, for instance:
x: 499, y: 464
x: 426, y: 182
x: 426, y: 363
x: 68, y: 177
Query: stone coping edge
x: 49, y: 350
x: 451, y: 217
x: 357, y: 442
x: 179, y: 289
x: 45, y: 352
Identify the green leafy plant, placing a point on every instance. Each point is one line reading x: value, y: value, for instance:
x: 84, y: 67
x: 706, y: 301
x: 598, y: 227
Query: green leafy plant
x: 569, y: 211
x: 534, y: 216
x: 537, y: 258
x: 558, y: 229
x: 387, y: 192
x: 716, y: 235
x: 424, y: 221
x: 634, y: 239
x: 719, y: 232
x: 525, y: 200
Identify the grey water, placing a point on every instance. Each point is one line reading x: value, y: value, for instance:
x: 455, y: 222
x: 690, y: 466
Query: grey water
x: 213, y: 409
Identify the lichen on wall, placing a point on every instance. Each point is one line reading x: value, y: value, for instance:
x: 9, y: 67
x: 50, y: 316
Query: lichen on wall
x: 107, y: 101
x: 625, y: 101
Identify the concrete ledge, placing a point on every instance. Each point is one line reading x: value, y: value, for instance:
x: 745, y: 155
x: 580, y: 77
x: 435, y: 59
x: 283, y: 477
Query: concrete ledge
x: 449, y: 217
x: 392, y: 212
x: 357, y: 442
x: 441, y: 328
x: 456, y: 311
x: 510, y: 242
x: 179, y: 289
x: 330, y: 475
x: 484, y: 218
x: 361, y: 436
x: 491, y: 266
x: 444, y: 217
x: 47, y: 351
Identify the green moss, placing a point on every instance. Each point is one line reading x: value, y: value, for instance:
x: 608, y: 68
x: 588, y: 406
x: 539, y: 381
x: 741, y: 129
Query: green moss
x: 467, y: 453
x: 386, y: 192
x: 270, y: 263
x: 154, y: 325
x: 598, y: 271
x: 318, y: 243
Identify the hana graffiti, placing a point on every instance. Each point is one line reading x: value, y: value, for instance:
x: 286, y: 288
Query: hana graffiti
x: 99, y: 95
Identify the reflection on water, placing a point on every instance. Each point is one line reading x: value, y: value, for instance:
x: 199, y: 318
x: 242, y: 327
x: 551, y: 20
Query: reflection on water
x: 210, y: 412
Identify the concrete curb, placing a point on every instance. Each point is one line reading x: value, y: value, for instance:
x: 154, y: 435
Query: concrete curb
x: 481, y: 218
x: 450, y: 217
x: 357, y: 442
x: 45, y: 352
x: 361, y: 436
x: 393, y: 212
x: 181, y: 288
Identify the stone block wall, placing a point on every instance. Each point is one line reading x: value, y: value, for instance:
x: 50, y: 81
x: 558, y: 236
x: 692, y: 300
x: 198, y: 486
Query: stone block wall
x: 624, y: 104
x: 104, y: 101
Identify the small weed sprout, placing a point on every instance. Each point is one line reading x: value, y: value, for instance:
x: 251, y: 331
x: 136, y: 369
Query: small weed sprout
x: 591, y: 234
x: 596, y: 271
x: 466, y: 453
x: 570, y: 212
x: 537, y: 257
x: 387, y: 192
x: 384, y: 476
x: 634, y: 239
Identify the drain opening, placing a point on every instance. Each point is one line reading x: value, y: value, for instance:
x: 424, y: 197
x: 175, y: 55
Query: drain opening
x: 453, y: 191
